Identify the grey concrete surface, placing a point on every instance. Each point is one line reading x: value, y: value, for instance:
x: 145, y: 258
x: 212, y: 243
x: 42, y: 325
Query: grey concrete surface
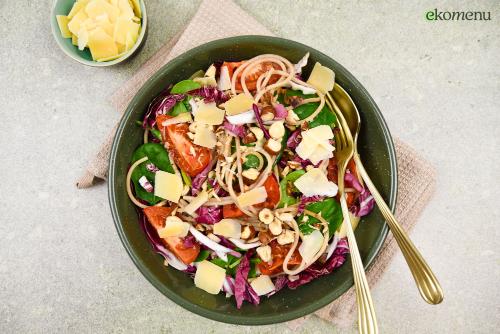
x: 62, y: 266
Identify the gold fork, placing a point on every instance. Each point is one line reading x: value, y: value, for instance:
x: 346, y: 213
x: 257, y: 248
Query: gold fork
x: 367, y: 321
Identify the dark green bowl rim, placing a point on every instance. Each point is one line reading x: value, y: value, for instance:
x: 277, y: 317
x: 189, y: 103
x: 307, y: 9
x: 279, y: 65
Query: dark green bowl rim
x: 236, y: 319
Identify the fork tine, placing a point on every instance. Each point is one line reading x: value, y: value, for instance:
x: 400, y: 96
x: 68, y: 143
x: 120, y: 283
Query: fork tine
x: 338, y: 141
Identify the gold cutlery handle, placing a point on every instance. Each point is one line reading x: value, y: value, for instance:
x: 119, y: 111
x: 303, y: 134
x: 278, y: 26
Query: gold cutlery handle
x: 426, y: 281
x: 367, y: 321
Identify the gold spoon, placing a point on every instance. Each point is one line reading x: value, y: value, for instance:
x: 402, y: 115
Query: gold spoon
x: 427, y: 283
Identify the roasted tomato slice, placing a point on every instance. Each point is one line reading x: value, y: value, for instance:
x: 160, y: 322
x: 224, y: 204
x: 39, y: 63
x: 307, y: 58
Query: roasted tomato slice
x: 231, y: 211
x: 191, y: 158
x: 252, y: 76
x: 156, y: 216
x: 273, y: 193
x: 278, y: 253
x: 273, y: 197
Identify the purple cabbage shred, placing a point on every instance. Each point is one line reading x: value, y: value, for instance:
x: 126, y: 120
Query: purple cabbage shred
x: 242, y: 289
x: 294, y: 139
x: 160, y: 105
x: 210, y: 94
x: 259, y: 121
x: 304, y: 200
x: 236, y: 130
x: 209, y: 215
x: 316, y: 270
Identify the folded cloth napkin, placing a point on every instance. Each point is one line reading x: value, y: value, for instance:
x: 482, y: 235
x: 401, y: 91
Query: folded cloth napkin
x: 416, y: 179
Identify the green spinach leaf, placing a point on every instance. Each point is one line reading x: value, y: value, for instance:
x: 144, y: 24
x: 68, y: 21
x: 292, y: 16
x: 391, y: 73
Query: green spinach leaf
x: 184, y: 86
x: 286, y: 198
x: 157, y: 155
x: 251, y: 161
x: 203, y: 255
x: 329, y: 209
x: 325, y: 116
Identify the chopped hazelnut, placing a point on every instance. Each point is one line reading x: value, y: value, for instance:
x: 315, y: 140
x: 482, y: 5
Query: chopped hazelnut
x: 277, y: 130
x: 286, y: 237
x: 266, y: 216
x: 275, y: 227
x: 249, y: 138
x: 250, y: 174
x: 272, y: 146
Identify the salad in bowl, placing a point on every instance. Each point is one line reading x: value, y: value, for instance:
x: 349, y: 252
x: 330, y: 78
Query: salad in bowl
x: 236, y: 181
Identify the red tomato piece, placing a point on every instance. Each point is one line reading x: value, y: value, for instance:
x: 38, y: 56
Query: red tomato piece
x: 191, y: 158
x: 156, y: 216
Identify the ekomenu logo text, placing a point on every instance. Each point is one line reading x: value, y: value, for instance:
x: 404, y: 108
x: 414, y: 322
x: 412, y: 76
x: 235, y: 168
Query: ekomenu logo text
x: 438, y: 15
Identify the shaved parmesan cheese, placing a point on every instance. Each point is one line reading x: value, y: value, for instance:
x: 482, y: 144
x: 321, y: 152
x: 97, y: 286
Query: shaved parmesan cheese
x: 126, y: 10
x: 107, y: 28
x: 315, y: 182
x: 98, y: 7
x: 319, y: 133
x: 209, y: 277
x: 208, y: 113
x: 263, y: 285
x: 174, y: 227
x: 211, y: 71
x: 322, y: 78
x: 224, y: 79
x: 123, y: 27
x: 320, y: 153
x: 310, y: 246
x: 238, y: 104
x: 168, y: 186
x: 252, y: 197
x: 63, y: 21
x: 315, y: 144
x: 181, y: 118
x: 78, y: 6
x: 83, y: 38
x: 76, y: 21
x: 205, y: 136
x: 101, y: 45
x: 137, y: 8
x: 229, y: 228
x: 196, y: 203
x: 243, y: 118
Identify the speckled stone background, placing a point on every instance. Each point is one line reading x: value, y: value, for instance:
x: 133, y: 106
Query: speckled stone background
x: 62, y: 266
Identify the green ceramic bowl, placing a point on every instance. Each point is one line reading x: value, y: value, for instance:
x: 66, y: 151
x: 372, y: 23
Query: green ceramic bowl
x: 375, y: 145
x: 62, y: 7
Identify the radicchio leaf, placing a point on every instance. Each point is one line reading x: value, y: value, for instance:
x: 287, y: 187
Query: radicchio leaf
x: 236, y: 130
x: 280, y: 283
x: 352, y: 182
x: 364, y: 204
x: 260, y: 122
x: 281, y: 112
x: 210, y: 94
x: 242, y: 289
x: 316, y: 270
x: 294, y: 140
x: 305, y: 162
x: 189, y: 241
x: 304, y: 200
x: 209, y: 215
x: 160, y: 105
